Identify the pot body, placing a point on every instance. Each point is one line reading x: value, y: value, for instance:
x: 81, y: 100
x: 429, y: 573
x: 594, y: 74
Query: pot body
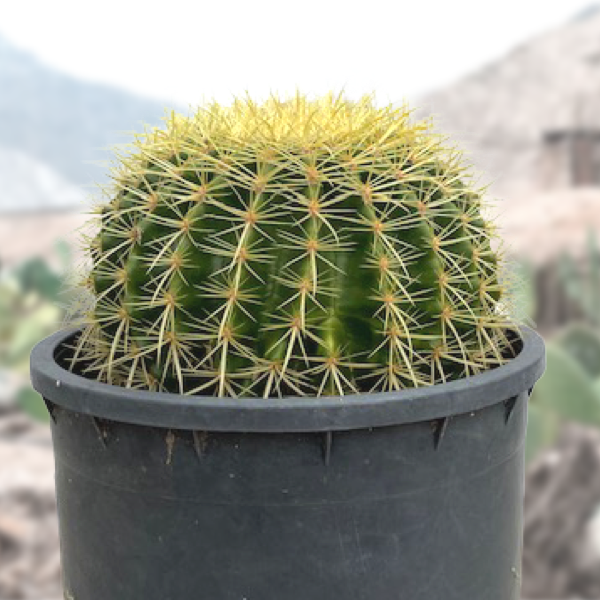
x: 429, y: 509
x: 156, y: 514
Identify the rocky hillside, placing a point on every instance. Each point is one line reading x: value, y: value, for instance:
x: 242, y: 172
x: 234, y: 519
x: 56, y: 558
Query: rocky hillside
x: 55, y: 129
x: 502, y: 112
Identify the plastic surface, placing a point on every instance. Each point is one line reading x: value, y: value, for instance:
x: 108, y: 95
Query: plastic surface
x: 424, y: 510
x: 281, y: 414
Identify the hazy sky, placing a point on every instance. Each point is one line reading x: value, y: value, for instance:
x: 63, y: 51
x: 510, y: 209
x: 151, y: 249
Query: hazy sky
x: 190, y: 51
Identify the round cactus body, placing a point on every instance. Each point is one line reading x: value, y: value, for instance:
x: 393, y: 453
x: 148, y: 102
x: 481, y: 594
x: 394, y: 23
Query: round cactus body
x: 317, y: 247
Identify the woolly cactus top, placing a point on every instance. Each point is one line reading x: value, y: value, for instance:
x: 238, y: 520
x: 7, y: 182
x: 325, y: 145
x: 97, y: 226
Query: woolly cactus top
x: 317, y: 247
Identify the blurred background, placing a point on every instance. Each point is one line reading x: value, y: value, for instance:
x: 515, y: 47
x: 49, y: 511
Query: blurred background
x: 517, y: 83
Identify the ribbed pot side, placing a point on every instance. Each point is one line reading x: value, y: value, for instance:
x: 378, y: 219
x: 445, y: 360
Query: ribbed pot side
x: 409, y: 497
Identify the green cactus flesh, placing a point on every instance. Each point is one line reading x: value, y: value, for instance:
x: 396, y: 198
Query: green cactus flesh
x: 318, y: 247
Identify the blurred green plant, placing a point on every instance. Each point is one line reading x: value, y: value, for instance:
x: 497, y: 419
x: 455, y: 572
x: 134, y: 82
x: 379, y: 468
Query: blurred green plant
x: 581, y: 279
x: 566, y: 392
x: 32, y: 296
x: 570, y: 388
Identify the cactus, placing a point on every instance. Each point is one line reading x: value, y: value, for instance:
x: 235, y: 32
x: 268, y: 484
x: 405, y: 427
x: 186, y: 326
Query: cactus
x: 568, y: 390
x: 303, y: 246
x: 30, y: 298
x: 582, y: 282
x: 583, y: 344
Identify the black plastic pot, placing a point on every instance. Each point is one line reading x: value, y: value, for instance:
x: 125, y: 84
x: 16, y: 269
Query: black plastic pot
x: 396, y: 496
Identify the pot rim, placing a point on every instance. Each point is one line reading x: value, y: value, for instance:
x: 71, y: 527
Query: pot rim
x: 290, y: 414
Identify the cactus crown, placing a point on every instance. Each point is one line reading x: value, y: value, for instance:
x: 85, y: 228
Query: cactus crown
x: 303, y: 246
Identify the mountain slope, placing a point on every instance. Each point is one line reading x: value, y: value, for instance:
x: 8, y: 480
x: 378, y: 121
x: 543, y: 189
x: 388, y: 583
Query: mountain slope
x: 63, y: 122
x: 29, y: 185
